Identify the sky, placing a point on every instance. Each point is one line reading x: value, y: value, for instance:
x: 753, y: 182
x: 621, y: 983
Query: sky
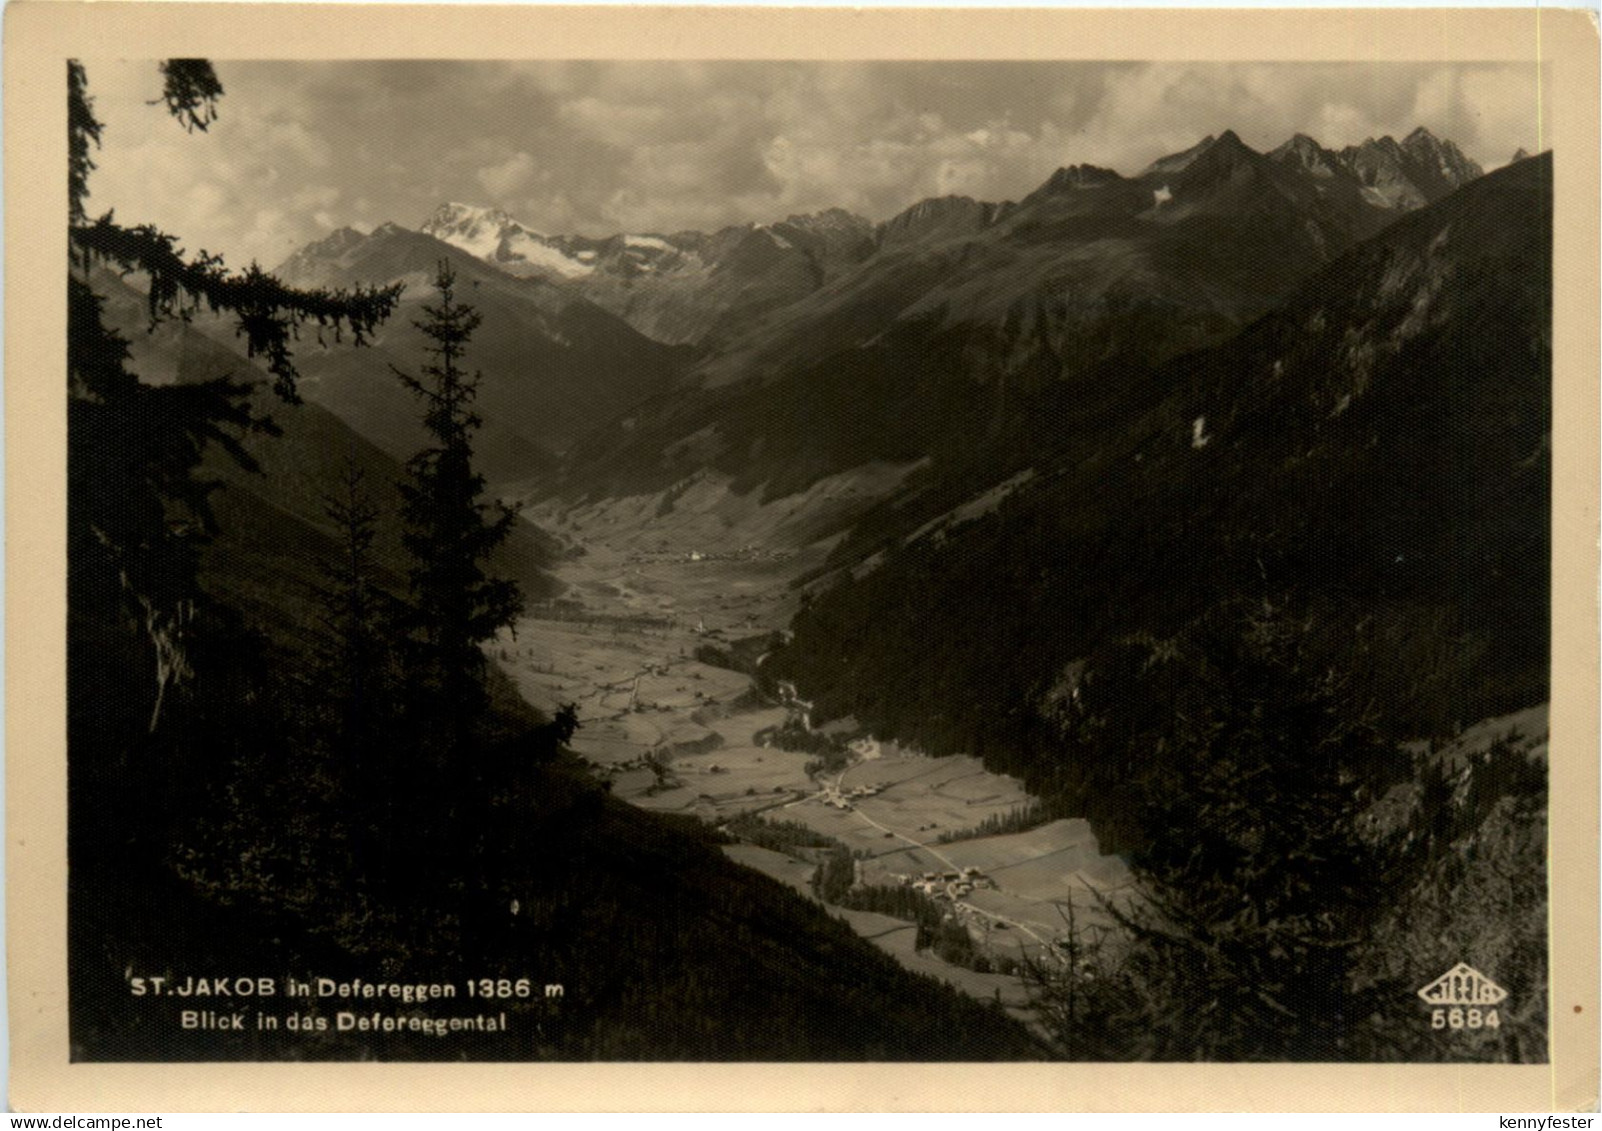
x: 596, y: 148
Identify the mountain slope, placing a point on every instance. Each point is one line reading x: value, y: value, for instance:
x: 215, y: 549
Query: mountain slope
x: 1375, y: 453
x: 971, y: 319
x: 665, y: 950
x: 272, y: 527
x: 554, y: 365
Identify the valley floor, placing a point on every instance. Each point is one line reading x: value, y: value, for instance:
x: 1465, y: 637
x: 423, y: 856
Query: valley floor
x: 673, y: 734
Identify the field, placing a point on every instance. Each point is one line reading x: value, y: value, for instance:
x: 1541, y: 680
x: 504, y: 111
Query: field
x: 677, y: 735
x: 620, y: 645
x: 785, y: 869
x: 896, y: 937
x: 933, y: 795
x: 1032, y: 872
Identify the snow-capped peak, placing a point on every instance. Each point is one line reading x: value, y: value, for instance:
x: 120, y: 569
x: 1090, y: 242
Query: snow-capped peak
x: 497, y: 238
x: 471, y: 223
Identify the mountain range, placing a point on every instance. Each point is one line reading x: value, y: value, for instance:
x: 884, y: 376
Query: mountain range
x: 1278, y: 361
x: 941, y: 341
x: 676, y: 288
x: 691, y: 286
x: 644, y: 358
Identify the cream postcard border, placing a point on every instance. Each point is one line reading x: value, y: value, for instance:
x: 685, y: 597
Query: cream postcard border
x: 39, y: 36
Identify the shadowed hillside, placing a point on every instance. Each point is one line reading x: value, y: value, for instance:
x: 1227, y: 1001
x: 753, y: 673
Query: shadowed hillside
x: 972, y: 322
x: 1375, y: 450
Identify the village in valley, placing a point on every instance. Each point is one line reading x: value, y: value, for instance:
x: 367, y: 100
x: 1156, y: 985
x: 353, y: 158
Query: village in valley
x: 628, y: 642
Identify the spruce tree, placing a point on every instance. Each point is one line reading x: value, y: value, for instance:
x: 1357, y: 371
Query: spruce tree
x: 1241, y: 769
x: 450, y: 533
x: 356, y: 684
x: 355, y: 615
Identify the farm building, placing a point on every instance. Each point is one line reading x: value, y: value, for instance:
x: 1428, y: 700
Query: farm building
x: 866, y: 748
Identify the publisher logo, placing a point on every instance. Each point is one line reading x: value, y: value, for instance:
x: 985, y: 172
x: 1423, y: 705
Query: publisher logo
x: 1461, y: 997
x: 1463, y: 985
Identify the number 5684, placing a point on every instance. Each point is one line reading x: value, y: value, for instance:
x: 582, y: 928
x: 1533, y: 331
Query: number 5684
x: 1464, y: 1019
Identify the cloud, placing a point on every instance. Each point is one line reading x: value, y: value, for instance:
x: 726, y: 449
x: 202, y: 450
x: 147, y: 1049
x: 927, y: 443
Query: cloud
x: 1496, y: 112
x: 292, y: 137
x: 616, y: 123
x: 315, y: 196
x: 243, y: 187
x: 509, y: 177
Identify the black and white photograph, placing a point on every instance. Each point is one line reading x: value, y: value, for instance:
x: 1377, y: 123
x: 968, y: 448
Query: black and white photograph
x: 809, y: 560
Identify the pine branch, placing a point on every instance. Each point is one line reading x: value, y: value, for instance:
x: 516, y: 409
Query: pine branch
x: 83, y: 128
x: 269, y: 314
x: 191, y: 91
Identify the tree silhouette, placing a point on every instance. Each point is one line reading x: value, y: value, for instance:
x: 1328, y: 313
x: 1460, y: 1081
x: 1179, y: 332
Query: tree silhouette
x: 1082, y: 995
x: 137, y: 514
x: 1247, y: 768
x: 190, y: 92
x: 140, y: 629
x: 356, y: 615
x: 355, y: 678
x: 454, y: 606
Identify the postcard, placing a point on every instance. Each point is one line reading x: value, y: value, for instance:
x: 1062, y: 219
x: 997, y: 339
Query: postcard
x: 697, y: 559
